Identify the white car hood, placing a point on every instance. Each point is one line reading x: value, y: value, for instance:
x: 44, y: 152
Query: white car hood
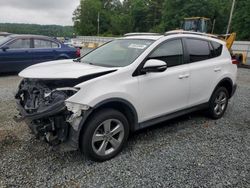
x: 62, y: 69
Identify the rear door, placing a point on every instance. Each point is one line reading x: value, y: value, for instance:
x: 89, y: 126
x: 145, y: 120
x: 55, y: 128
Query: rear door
x: 18, y: 55
x: 205, y: 67
x: 44, y: 50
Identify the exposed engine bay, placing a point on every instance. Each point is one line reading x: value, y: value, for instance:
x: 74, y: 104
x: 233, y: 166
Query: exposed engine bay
x: 41, y: 104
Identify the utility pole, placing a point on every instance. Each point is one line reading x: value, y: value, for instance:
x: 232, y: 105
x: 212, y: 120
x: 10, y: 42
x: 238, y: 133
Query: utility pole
x: 98, y: 24
x: 230, y: 18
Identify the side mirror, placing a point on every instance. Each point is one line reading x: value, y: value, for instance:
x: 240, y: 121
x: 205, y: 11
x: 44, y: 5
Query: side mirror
x: 154, y: 65
x: 5, y: 48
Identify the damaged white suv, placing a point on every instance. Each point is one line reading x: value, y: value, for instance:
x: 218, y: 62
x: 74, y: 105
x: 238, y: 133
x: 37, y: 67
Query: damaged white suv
x: 94, y: 102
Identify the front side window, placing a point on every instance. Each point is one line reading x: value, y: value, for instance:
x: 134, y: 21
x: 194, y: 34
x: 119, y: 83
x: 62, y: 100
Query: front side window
x: 39, y: 43
x: 171, y: 52
x: 199, y: 50
x: 118, y: 53
x: 20, y: 44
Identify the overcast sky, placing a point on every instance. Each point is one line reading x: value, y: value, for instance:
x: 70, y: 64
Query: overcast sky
x: 57, y: 12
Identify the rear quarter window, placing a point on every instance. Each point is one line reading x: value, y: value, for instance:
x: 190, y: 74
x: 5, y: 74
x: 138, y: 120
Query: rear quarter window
x: 40, y: 43
x: 217, y: 49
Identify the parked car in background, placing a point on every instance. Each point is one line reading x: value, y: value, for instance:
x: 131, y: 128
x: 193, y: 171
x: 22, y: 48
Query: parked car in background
x: 20, y: 51
x: 68, y: 42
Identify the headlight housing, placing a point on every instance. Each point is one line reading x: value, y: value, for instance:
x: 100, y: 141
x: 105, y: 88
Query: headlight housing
x: 68, y: 90
x: 76, y: 107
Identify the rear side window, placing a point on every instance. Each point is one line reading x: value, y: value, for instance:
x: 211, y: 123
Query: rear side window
x: 171, y: 52
x: 217, y: 49
x: 20, y: 44
x: 38, y: 43
x: 199, y: 50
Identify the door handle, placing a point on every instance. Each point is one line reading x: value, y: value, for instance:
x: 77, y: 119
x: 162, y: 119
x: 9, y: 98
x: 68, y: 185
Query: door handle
x: 184, y: 76
x: 217, y: 69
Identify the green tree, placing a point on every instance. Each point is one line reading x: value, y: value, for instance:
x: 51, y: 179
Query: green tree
x: 174, y: 11
x: 241, y: 20
x: 117, y: 18
x: 48, y: 30
x: 85, y: 17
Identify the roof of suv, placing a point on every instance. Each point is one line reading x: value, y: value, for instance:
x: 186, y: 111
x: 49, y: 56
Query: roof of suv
x: 175, y: 33
x: 150, y: 37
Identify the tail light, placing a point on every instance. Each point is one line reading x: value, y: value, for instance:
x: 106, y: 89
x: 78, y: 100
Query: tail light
x: 78, y: 52
x: 235, y: 61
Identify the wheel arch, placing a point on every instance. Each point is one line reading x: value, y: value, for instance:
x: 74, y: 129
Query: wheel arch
x: 227, y: 83
x: 121, y: 105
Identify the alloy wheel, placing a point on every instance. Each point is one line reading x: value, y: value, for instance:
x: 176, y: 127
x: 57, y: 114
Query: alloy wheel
x: 220, y: 103
x: 108, y: 137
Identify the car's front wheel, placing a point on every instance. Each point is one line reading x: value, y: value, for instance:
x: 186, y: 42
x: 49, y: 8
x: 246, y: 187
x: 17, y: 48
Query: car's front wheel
x: 218, y: 103
x: 104, y: 135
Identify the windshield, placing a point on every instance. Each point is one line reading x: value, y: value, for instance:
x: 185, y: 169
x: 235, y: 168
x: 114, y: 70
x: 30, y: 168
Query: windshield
x: 118, y: 53
x: 3, y: 40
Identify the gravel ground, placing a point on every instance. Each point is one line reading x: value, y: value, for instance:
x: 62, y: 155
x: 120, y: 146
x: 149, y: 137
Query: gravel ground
x: 191, y: 151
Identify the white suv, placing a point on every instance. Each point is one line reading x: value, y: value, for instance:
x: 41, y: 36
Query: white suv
x: 94, y: 102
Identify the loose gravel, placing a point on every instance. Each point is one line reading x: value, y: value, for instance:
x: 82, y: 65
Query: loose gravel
x: 191, y: 151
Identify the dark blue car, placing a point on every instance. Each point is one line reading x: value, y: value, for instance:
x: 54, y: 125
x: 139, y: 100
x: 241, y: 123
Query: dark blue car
x: 20, y: 51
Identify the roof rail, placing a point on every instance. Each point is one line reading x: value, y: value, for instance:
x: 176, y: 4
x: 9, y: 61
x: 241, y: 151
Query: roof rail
x: 189, y: 32
x: 139, y: 34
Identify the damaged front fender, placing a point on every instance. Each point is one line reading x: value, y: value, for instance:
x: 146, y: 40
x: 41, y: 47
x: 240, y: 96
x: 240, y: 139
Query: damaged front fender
x: 76, y: 113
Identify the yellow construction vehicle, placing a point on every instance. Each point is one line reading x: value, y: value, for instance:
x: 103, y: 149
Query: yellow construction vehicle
x: 197, y: 24
x: 205, y: 25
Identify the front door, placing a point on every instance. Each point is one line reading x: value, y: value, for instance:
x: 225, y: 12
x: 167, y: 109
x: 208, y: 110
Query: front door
x: 165, y: 92
x: 17, y: 57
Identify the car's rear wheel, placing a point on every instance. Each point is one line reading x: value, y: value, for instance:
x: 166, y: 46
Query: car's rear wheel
x: 218, y: 103
x: 105, y: 135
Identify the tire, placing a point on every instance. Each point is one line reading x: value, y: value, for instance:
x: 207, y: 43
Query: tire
x: 104, y: 135
x: 218, y: 103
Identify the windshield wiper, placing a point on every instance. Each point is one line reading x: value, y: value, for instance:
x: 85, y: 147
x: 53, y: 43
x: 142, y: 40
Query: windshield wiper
x: 77, y: 60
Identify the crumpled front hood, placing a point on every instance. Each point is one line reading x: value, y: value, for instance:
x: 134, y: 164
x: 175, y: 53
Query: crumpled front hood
x: 62, y: 69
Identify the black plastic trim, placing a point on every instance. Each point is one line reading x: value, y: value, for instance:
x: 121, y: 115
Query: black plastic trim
x: 223, y: 80
x: 88, y: 113
x: 166, y: 117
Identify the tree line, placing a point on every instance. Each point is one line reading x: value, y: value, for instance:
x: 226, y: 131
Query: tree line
x: 118, y: 17
x: 48, y: 30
